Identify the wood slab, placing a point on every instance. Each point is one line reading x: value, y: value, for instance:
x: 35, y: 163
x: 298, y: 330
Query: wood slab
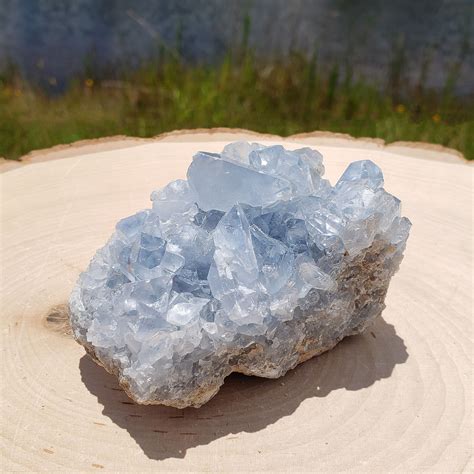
x: 398, y: 398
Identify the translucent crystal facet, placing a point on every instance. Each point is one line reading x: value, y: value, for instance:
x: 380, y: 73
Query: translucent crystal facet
x: 253, y: 264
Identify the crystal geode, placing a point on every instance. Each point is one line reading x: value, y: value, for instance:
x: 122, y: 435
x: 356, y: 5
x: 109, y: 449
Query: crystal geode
x: 253, y: 265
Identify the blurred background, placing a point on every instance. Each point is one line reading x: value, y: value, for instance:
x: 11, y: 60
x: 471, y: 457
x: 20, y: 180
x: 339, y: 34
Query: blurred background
x: 397, y: 70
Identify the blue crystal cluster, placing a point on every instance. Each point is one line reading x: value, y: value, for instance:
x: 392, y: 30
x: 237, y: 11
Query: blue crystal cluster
x: 253, y: 264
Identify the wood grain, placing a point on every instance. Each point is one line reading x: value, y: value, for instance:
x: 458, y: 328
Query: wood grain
x: 398, y: 398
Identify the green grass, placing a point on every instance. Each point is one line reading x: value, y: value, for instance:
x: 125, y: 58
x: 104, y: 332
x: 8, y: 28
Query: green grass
x: 279, y: 98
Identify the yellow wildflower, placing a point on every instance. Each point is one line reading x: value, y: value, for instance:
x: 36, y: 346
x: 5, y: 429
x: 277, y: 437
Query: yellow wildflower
x: 89, y: 82
x: 400, y: 108
x: 436, y: 118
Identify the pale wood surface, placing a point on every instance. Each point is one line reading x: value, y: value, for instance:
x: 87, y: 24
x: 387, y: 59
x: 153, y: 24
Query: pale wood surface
x: 398, y: 398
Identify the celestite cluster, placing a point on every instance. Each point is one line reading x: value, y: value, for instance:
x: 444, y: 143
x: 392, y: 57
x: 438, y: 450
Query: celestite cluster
x: 254, y: 264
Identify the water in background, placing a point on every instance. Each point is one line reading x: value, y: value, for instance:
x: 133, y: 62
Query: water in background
x: 54, y: 39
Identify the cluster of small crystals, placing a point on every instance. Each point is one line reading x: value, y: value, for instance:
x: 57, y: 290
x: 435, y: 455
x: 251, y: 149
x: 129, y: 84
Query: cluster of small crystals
x: 225, y: 261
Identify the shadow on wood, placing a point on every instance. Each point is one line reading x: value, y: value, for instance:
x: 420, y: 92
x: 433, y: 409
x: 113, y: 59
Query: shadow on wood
x: 247, y: 404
